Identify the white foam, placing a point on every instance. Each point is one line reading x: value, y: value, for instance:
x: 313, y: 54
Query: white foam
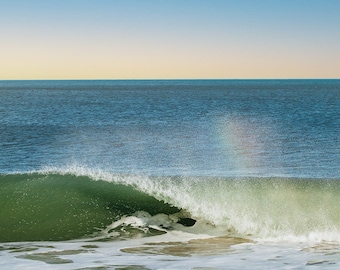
x: 168, y: 224
x: 112, y: 255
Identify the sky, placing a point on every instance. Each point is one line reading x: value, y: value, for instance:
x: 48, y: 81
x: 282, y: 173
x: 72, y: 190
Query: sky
x: 169, y: 39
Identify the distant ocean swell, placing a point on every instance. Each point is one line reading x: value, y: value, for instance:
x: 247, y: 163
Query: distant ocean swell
x: 75, y: 203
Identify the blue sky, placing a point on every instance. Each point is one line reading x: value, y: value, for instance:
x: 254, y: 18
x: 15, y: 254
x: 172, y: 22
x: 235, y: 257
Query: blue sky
x: 127, y: 39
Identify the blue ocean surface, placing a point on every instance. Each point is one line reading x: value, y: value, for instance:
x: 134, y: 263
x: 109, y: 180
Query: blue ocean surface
x: 252, y: 165
x: 208, y: 127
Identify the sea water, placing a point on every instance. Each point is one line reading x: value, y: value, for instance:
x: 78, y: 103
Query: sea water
x: 180, y: 174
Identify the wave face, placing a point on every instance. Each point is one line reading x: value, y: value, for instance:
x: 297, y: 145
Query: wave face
x: 72, y: 204
x: 52, y: 206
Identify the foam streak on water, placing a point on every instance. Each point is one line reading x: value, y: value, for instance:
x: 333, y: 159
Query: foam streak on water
x: 160, y: 254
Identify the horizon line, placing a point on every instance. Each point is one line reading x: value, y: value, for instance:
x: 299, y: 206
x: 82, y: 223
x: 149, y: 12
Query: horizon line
x: 171, y: 79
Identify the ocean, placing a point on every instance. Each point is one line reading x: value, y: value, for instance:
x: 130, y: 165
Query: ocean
x: 170, y: 174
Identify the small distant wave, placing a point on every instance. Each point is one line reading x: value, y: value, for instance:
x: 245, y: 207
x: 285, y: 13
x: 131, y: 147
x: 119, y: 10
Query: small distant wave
x: 78, y: 202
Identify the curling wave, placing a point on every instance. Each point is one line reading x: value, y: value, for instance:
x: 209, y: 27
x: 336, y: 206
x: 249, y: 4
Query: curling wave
x: 73, y: 203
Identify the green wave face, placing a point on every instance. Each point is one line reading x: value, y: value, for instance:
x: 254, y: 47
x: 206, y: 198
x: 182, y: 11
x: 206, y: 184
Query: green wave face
x: 61, y: 207
x: 67, y: 205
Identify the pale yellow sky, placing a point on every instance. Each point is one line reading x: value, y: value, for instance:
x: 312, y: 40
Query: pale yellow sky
x: 143, y: 40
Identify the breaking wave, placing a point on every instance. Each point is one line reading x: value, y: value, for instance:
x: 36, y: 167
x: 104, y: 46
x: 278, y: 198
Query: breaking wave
x: 79, y: 202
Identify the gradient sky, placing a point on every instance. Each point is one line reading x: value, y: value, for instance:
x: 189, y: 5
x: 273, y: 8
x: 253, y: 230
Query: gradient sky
x: 164, y: 39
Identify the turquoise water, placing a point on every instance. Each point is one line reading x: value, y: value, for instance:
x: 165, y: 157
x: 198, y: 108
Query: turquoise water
x: 115, y: 161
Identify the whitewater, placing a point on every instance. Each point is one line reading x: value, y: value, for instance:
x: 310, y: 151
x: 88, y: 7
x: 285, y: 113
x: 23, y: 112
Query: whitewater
x: 203, y: 174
